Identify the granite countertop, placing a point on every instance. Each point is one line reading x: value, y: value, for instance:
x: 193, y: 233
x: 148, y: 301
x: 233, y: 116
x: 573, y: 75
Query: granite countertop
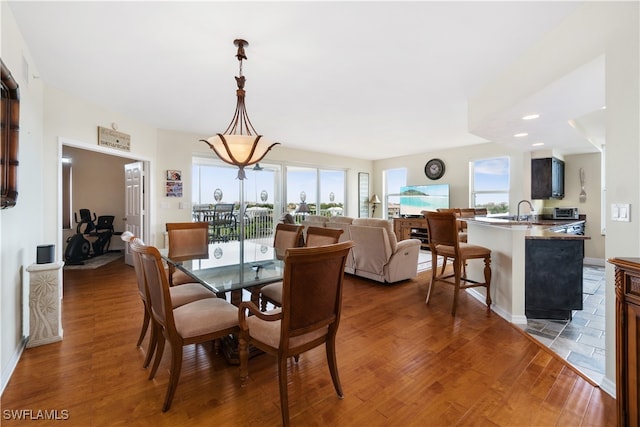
x: 536, y: 229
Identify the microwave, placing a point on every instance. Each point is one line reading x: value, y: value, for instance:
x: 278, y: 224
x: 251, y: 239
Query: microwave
x: 565, y: 213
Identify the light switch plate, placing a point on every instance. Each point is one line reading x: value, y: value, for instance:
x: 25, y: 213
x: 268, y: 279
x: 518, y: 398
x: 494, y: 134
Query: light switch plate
x: 621, y: 212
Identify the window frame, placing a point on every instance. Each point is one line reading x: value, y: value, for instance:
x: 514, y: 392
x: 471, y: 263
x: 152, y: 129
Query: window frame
x: 473, y: 193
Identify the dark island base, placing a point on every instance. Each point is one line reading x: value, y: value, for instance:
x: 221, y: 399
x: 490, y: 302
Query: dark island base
x: 553, y: 278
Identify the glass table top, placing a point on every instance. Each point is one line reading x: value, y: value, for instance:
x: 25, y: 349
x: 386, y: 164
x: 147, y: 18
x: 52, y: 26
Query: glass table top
x: 229, y: 268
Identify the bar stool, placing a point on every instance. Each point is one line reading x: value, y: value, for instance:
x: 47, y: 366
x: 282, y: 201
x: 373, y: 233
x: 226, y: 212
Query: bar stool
x: 444, y: 241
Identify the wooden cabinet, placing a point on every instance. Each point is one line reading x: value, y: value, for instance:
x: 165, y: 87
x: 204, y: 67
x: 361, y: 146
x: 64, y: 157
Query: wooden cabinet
x: 627, y: 339
x: 547, y: 178
x: 412, y: 228
x: 553, y: 278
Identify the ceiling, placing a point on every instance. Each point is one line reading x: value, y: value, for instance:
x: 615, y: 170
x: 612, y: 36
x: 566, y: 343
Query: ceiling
x: 371, y: 80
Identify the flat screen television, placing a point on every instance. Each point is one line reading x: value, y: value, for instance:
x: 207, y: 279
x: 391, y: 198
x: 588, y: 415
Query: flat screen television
x: 417, y: 198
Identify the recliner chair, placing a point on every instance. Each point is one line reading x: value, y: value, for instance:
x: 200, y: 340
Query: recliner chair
x: 378, y: 255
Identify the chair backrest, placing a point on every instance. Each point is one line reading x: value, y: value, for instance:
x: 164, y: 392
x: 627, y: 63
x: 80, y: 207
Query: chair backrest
x: 157, y: 284
x: 137, y: 266
x: 454, y: 210
x: 457, y: 212
x: 320, y: 236
x: 466, y: 213
x: 442, y: 228
x: 312, y: 288
x: 385, y: 224
x: 188, y: 240
x: 287, y: 236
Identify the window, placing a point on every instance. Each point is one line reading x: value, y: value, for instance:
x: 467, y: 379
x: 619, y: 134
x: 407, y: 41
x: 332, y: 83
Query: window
x: 490, y: 184
x: 308, y: 190
x: 393, y: 179
x: 312, y: 191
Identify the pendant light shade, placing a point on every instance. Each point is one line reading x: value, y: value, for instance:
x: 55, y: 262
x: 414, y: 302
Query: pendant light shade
x: 240, y: 145
x: 239, y: 150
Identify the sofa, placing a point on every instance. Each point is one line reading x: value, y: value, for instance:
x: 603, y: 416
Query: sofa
x: 341, y: 222
x: 377, y: 254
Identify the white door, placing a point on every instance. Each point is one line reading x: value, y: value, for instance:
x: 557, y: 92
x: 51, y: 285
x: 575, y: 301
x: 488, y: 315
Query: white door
x: 133, y: 204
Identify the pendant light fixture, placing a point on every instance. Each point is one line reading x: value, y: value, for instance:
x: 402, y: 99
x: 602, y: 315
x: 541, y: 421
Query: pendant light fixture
x: 240, y: 144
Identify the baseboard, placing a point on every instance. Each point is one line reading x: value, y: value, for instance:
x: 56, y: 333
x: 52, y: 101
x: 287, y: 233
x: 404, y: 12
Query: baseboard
x: 608, y: 387
x: 498, y: 310
x: 11, y: 366
x: 599, y: 262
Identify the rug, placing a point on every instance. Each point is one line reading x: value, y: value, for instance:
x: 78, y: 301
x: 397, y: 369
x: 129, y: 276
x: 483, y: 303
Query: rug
x: 424, y: 261
x: 99, y: 261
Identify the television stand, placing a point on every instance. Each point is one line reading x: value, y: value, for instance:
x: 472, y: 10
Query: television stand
x: 412, y: 228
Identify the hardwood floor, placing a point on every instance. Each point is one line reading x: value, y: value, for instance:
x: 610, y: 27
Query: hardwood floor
x: 401, y: 363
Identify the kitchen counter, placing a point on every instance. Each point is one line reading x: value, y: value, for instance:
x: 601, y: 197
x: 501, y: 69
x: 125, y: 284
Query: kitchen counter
x: 537, y: 229
x: 506, y: 238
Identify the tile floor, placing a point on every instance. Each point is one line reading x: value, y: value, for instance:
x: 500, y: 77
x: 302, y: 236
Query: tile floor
x: 581, y: 340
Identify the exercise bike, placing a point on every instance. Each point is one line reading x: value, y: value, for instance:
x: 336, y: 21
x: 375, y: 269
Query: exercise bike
x: 78, y: 247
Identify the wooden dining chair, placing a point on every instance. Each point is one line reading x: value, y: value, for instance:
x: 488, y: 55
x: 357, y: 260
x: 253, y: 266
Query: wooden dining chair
x: 316, y: 236
x: 286, y: 236
x: 196, y: 322
x: 320, y: 236
x: 309, y: 316
x: 187, y: 241
x: 444, y: 241
x: 180, y: 295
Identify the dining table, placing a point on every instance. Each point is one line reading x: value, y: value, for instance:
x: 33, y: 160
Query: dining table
x: 234, y: 269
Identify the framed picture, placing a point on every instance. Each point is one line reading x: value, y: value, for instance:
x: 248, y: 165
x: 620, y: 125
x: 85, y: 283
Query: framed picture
x: 10, y: 118
x: 174, y: 175
x: 174, y: 189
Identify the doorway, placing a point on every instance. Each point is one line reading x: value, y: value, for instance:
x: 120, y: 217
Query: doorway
x: 94, y: 181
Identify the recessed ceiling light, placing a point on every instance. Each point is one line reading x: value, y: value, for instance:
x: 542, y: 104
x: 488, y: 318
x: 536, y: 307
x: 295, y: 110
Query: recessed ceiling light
x: 531, y: 117
x: 520, y: 135
x: 537, y: 144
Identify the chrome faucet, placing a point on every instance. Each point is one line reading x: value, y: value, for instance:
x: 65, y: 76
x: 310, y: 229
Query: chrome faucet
x: 521, y: 202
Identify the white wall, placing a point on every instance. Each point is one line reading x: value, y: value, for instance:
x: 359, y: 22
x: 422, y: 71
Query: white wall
x: 456, y: 162
x: 21, y: 227
x: 72, y: 120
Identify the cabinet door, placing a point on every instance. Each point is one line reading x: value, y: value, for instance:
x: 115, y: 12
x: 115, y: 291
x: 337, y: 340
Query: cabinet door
x: 547, y: 178
x: 553, y: 277
x: 540, y: 178
x: 557, y: 178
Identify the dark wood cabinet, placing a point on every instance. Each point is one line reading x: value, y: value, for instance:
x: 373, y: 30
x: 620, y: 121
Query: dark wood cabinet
x: 547, y: 178
x: 627, y: 282
x: 412, y: 228
x: 553, y: 277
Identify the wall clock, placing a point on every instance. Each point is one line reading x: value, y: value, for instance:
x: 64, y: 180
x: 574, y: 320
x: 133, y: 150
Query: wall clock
x: 434, y: 169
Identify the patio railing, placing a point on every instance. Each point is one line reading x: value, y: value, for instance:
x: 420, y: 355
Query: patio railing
x: 258, y: 222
